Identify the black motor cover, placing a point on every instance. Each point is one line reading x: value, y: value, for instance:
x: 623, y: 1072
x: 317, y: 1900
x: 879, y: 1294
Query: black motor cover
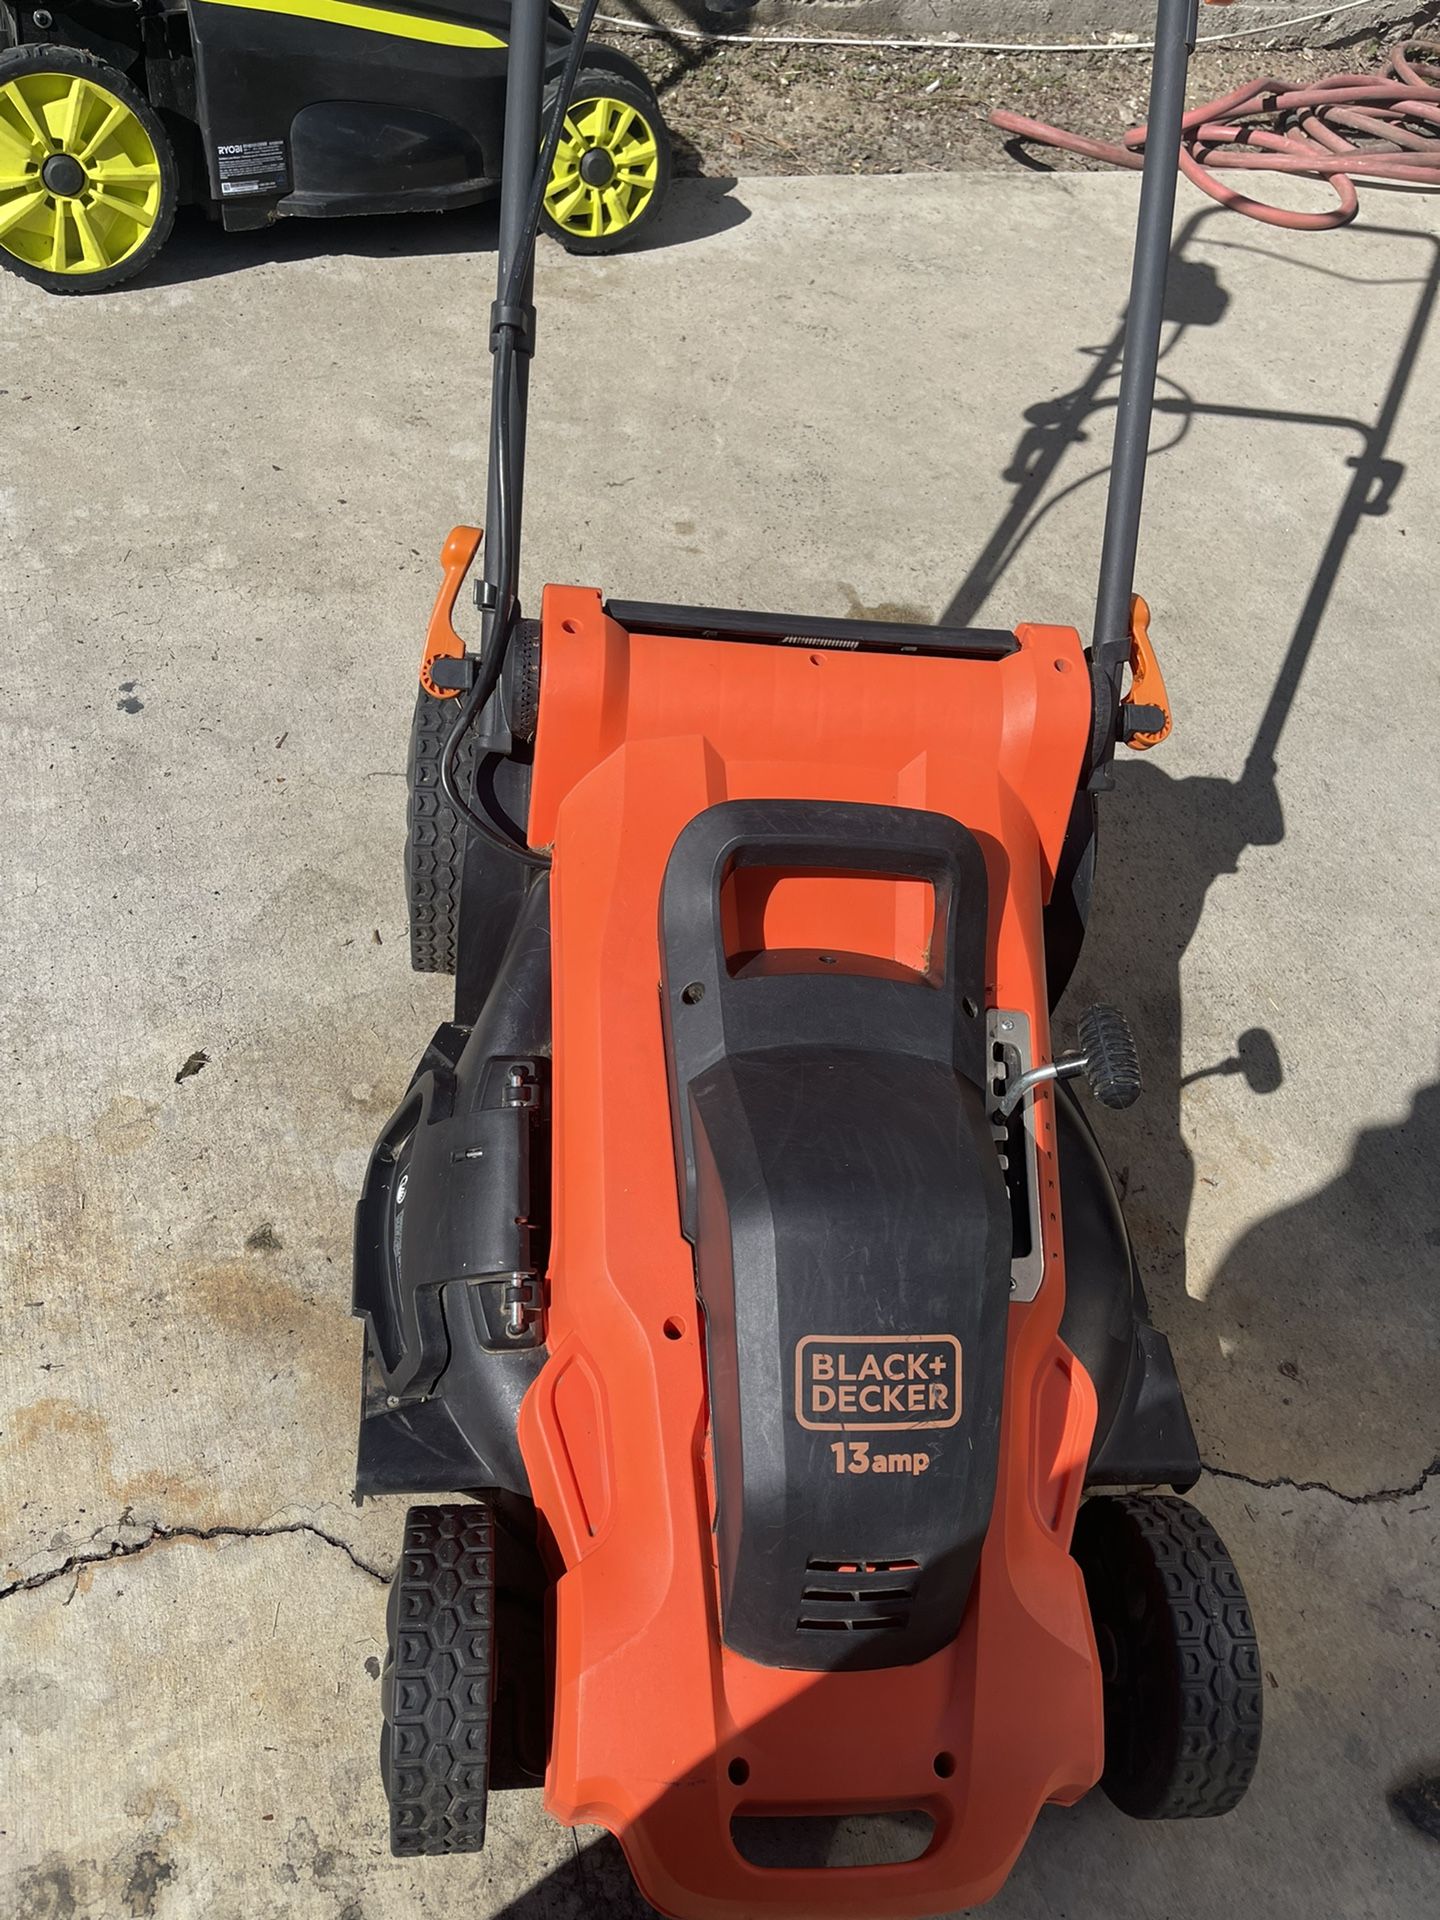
x: 840, y: 1185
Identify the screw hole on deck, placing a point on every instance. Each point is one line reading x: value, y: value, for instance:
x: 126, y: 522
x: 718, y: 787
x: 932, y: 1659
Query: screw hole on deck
x: 945, y: 1765
x: 739, y: 1772
x: 674, y: 1329
x: 693, y: 994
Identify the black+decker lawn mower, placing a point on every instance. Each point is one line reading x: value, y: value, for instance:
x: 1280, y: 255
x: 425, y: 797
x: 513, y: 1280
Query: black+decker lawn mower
x: 115, y: 112
x: 741, y: 1252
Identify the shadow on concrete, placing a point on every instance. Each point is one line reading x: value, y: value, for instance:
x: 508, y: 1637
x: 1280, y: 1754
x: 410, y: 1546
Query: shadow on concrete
x: 1364, y: 1229
x: 200, y: 249
x: 1165, y: 840
x: 593, y: 1884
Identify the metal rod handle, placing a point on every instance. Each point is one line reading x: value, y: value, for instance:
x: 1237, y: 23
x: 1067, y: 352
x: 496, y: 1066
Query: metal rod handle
x: 1175, y: 28
x: 524, y: 89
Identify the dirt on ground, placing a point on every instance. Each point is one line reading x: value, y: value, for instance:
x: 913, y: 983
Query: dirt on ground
x: 777, y: 109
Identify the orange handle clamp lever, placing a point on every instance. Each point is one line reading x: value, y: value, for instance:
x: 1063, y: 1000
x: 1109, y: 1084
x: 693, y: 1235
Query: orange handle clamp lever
x: 442, y: 642
x: 1147, y: 683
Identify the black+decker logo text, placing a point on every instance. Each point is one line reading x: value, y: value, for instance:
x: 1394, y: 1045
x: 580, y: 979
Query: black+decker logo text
x: 850, y: 1382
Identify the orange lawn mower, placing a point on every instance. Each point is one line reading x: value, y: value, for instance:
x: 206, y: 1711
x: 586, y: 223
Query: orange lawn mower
x: 741, y: 1270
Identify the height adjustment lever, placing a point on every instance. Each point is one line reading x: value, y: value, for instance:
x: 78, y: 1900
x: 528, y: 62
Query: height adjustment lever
x: 1106, y: 1056
x: 445, y: 669
x: 1145, y: 711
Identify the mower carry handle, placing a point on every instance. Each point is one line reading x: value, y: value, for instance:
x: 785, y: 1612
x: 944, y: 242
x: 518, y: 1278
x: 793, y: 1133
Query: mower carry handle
x: 794, y: 1001
x: 804, y: 836
x: 809, y: 1006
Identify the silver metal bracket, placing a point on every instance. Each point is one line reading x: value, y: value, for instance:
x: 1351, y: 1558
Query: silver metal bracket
x: 1012, y: 1122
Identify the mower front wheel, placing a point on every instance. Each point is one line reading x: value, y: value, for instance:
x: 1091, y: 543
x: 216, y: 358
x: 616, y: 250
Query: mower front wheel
x: 438, y: 1682
x: 1179, y: 1661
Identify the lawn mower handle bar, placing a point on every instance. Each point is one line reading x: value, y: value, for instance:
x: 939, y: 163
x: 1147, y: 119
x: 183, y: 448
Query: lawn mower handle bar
x: 512, y: 342
x: 1175, y: 32
x: 1176, y: 24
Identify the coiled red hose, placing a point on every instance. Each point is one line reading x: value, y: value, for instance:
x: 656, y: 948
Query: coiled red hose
x: 1271, y: 126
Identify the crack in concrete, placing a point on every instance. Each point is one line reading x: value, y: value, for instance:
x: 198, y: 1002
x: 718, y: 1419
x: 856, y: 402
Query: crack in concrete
x: 158, y: 1534
x: 1283, y: 1482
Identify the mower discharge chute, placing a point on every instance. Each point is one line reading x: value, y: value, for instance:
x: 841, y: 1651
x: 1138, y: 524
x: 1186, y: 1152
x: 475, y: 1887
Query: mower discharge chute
x: 741, y: 1249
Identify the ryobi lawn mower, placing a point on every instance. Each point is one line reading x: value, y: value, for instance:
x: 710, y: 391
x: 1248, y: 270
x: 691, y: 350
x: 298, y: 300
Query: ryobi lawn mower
x: 115, y: 112
x: 741, y: 1251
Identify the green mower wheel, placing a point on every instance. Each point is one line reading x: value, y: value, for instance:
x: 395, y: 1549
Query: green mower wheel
x: 88, y: 179
x: 612, y: 167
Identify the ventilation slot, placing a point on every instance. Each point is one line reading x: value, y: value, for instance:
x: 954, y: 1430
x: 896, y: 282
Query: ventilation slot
x: 857, y: 1596
x: 857, y: 1623
x: 873, y: 1593
x: 862, y: 1566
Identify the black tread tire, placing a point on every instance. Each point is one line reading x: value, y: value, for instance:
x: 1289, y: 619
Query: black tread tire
x: 616, y: 86
x: 438, y: 1681
x: 46, y: 58
x: 434, y: 836
x: 1181, y: 1664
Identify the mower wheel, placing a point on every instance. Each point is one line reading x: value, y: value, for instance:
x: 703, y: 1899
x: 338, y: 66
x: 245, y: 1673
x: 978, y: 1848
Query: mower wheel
x: 1179, y: 1661
x: 436, y: 1687
x: 88, y: 179
x: 434, y: 837
x: 612, y: 167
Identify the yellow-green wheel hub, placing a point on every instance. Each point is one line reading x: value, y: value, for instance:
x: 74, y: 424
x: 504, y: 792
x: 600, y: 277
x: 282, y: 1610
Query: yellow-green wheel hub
x: 80, y: 178
x: 605, y: 171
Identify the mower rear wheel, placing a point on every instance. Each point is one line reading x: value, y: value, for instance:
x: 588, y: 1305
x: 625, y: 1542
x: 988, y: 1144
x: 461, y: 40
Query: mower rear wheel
x: 612, y: 167
x: 434, y: 836
x: 1179, y: 1660
x: 437, y: 1684
x: 88, y: 179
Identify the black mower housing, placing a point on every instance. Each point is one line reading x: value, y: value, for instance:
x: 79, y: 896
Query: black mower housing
x: 439, y: 1407
x: 274, y: 114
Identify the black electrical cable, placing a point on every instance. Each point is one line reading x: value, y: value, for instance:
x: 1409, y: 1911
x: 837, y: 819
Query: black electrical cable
x: 570, y: 73
x: 507, y: 323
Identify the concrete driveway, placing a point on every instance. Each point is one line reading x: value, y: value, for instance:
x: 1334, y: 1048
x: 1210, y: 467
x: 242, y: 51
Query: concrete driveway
x: 225, y: 493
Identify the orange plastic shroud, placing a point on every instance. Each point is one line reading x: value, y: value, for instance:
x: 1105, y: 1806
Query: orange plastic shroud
x: 661, y: 1733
